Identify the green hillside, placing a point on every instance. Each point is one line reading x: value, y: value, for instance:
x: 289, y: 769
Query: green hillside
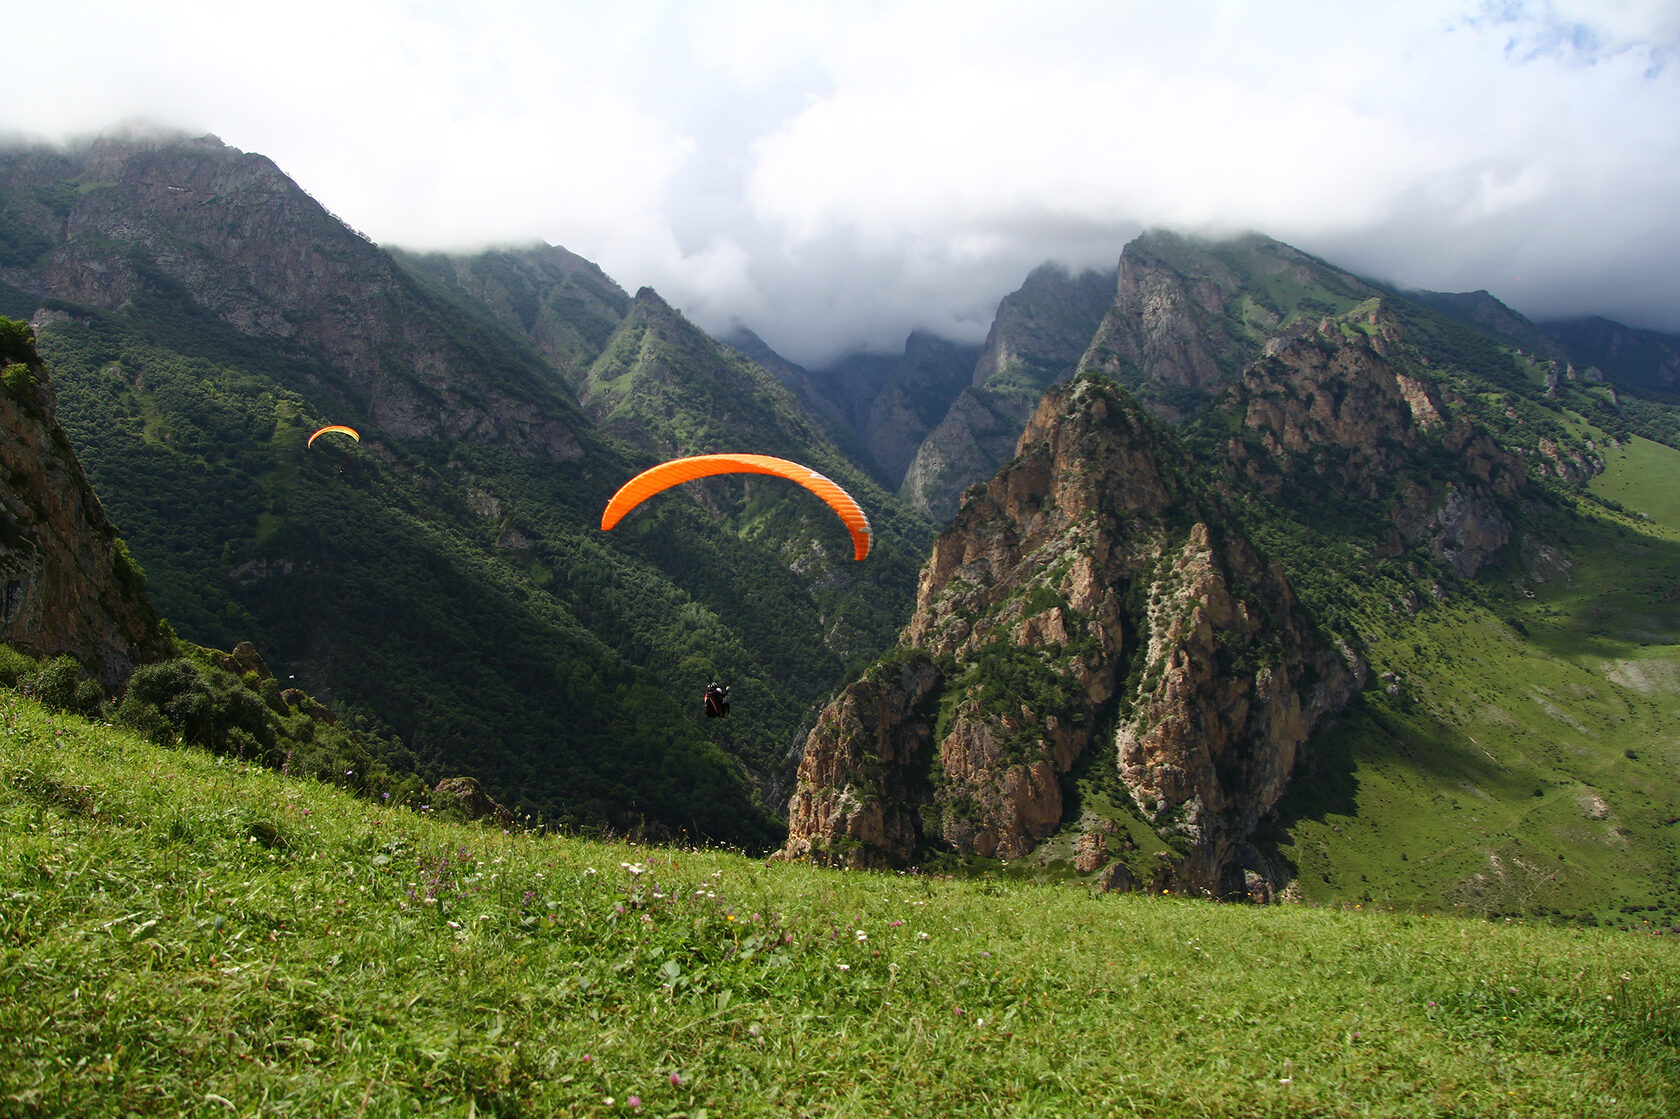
x: 667, y: 387
x: 463, y: 595
x: 445, y: 583
x: 446, y: 577
x: 189, y: 934
x: 1640, y: 476
x: 1518, y: 748
x: 372, y: 574
x: 459, y: 591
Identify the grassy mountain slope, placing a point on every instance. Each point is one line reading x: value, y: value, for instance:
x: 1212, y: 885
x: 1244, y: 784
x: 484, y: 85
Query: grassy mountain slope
x: 666, y: 386
x: 447, y: 575
x: 389, y: 579
x: 1516, y: 752
x: 185, y: 933
x: 1527, y: 760
x: 1502, y: 562
x: 563, y: 304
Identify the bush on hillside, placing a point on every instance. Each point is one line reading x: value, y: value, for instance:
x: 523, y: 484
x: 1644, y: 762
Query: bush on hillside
x: 202, y: 707
x: 14, y: 666
x: 17, y: 341
x: 20, y: 386
x: 62, y: 685
x: 191, y: 701
x: 165, y: 700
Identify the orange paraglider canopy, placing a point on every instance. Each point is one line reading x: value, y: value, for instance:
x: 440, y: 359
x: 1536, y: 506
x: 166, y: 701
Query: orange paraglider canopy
x: 350, y: 431
x: 668, y: 474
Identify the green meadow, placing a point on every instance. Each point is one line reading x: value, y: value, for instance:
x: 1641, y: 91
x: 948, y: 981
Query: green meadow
x: 186, y: 934
x: 1522, y: 753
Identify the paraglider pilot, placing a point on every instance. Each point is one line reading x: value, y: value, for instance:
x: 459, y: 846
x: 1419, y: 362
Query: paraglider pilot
x: 717, y: 701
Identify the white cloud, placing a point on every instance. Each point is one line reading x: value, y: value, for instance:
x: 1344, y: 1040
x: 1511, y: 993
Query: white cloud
x: 835, y: 172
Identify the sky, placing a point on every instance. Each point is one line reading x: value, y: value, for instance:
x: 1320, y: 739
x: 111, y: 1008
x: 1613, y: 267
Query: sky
x: 835, y: 174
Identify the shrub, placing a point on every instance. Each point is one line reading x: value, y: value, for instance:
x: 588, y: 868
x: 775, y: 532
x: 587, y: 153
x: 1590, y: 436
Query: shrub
x: 62, y: 685
x: 146, y: 719
x: 14, y: 666
x: 174, y: 691
x: 20, y: 386
x: 130, y: 576
x: 17, y: 341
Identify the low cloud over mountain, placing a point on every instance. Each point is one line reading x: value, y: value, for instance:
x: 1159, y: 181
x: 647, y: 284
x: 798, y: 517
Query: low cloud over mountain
x: 833, y: 177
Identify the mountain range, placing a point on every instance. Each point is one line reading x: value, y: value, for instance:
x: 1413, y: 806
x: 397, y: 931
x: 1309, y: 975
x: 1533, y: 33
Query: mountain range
x: 1225, y: 572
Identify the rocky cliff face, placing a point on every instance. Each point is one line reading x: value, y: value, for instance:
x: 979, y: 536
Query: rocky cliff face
x: 67, y: 586
x: 1168, y: 317
x: 1188, y: 316
x: 1331, y: 410
x: 1036, y: 340
x: 1041, y: 330
x: 1176, y: 323
x: 878, y: 406
x: 1645, y: 359
x: 977, y: 435
x: 914, y: 398
x: 120, y: 221
x: 1091, y: 596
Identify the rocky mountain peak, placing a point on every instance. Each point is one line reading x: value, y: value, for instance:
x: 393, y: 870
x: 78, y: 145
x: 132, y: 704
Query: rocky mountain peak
x: 1092, y: 596
x: 1189, y: 315
x: 164, y: 219
x: 1036, y: 340
x: 651, y: 302
x: 1176, y: 323
x: 1332, y: 410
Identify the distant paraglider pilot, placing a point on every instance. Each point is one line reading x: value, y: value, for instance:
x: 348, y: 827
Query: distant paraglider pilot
x: 717, y: 701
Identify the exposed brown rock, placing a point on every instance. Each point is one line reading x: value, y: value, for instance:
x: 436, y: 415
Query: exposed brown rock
x: 1116, y: 878
x: 67, y: 585
x: 245, y: 658
x: 856, y: 793
x: 1331, y: 407
x: 1090, y: 852
x: 1090, y: 572
x: 465, y: 796
x: 1036, y: 340
x: 300, y: 700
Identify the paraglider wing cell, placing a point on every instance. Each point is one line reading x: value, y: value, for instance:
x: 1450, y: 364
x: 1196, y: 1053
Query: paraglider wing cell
x: 340, y: 428
x: 668, y: 474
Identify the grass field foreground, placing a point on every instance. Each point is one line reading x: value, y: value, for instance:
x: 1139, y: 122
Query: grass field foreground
x: 186, y: 934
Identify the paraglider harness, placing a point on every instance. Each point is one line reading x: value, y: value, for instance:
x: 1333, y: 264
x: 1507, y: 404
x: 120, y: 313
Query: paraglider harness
x: 717, y: 701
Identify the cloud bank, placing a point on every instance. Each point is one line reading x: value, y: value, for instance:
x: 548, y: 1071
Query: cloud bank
x: 833, y: 175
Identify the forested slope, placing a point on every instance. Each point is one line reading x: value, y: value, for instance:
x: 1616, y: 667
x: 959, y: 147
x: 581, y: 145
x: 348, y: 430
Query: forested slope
x: 446, y: 577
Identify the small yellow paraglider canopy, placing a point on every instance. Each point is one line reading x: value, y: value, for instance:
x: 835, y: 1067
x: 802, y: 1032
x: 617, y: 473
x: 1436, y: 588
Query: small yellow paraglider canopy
x: 350, y: 431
